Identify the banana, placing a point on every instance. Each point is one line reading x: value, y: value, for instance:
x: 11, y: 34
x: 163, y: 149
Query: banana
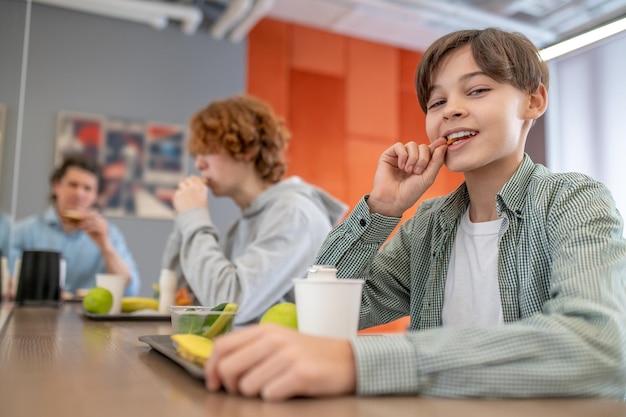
x: 130, y: 304
x: 192, y: 347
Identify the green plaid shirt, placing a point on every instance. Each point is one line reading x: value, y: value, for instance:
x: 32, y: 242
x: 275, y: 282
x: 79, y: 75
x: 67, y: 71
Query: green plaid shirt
x: 561, y: 272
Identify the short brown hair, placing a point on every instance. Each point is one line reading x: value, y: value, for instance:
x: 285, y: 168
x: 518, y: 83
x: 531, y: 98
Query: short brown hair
x: 506, y: 57
x: 79, y: 161
x: 246, y: 127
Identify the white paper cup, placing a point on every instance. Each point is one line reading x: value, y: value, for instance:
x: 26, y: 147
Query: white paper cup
x: 4, y: 264
x: 327, y: 307
x: 116, y: 284
x: 62, y: 272
x: 17, y: 266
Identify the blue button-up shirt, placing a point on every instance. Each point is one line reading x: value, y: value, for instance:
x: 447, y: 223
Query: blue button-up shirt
x: 82, y: 256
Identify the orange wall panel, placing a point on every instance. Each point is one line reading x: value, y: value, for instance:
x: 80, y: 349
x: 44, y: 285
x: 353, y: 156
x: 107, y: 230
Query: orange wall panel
x: 412, y: 121
x: 362, y: 155
x: 446, y: 182
x: 318, y: 51
x: 268, y: 64
x: 372, y: 88
x: 317, y: 152
x: 345, y: 101
x: 408, y: 65
x: 412, y: 118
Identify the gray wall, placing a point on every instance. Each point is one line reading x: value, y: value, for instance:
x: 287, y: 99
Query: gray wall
x: 81, y: 62
x: 12, y: 23
x: 536, y: 142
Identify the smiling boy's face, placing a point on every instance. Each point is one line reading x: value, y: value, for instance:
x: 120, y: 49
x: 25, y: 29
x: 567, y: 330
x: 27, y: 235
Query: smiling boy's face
x: 485, y: 122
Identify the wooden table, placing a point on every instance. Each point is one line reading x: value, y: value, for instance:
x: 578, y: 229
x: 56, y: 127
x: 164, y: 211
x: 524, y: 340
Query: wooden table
x: 54, y: 362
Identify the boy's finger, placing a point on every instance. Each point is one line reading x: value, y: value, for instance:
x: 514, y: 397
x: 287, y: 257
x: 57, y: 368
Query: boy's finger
x: 436, y: 144
x: 438, y: 157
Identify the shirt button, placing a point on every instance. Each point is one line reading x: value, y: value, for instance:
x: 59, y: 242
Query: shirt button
x: 362, y: 222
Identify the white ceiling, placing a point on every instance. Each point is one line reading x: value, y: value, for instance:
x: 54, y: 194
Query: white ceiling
x: 414, y: 24
x: 410, y: 24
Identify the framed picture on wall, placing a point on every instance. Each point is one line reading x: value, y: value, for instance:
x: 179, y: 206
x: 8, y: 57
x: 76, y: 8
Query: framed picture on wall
x: 142, y: 162
x: 165, y: 153
x: 78, y: 133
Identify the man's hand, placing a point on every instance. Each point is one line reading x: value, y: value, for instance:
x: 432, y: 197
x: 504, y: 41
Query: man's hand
x: 96, y: 227
x: 192, y: 192
x: 404, y: 173
x: 277, y: 363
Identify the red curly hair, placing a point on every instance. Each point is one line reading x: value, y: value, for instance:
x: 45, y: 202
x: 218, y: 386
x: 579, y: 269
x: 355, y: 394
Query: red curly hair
x: 247, y: 128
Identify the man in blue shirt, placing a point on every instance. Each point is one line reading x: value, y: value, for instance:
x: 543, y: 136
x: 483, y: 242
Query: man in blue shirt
x: 71, y: 225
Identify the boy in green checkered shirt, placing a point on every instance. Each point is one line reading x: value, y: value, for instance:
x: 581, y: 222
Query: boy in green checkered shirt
x: 514, y: 282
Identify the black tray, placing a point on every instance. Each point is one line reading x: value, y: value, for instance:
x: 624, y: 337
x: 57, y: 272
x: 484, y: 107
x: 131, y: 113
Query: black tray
x: 164, y: 345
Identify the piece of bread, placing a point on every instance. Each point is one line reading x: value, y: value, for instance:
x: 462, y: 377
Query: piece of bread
x: 73, y: 216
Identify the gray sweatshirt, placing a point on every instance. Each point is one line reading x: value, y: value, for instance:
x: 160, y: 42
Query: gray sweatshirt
x: 275, y: 239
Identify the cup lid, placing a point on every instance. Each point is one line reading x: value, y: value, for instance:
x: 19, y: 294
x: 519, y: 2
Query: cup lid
x: 322, y: 268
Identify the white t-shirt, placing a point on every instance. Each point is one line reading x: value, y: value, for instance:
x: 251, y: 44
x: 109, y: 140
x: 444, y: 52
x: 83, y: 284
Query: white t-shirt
x: 472, y: 293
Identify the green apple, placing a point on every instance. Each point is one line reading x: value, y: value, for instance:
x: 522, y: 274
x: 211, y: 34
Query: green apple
x: 283, y: 314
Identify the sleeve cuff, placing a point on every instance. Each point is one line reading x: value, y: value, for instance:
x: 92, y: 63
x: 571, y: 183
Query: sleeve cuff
x: 385, y: 365
x: 370, y: 227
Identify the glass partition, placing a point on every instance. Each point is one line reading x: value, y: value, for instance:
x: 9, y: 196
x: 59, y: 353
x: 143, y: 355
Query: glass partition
x: 13, y: 24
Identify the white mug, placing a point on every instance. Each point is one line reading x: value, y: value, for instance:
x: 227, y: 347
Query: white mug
x: 116, y: 284
x: 62, y: 272
x: 16, y: 277
x: 6, y: 277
